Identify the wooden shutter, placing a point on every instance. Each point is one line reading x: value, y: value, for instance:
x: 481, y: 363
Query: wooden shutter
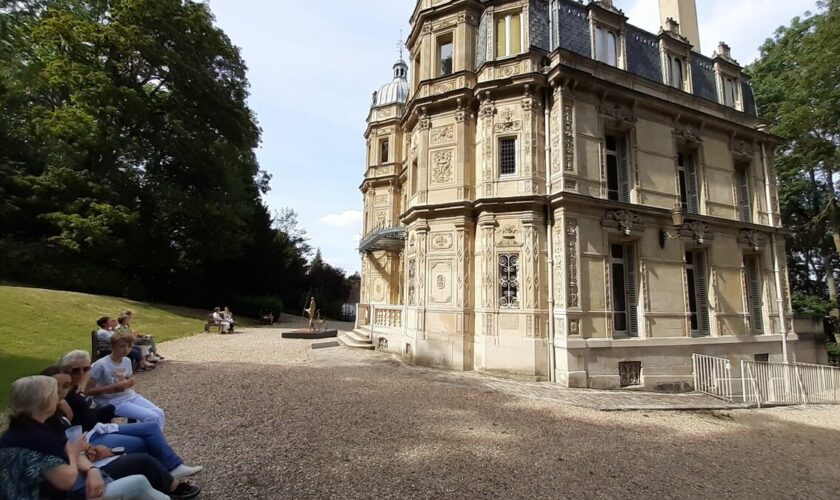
x: 632, y: 297
x: 744, y: 208
x: 754, y: 292
x: 702, y: 291
x: 623, y: 171
x: 691, y: 183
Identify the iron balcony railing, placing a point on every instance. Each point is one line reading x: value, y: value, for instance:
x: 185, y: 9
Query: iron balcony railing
x: 383, y: 239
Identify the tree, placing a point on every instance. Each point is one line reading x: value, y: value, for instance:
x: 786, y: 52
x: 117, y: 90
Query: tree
x: 795, y: 82
x: 127, y: 158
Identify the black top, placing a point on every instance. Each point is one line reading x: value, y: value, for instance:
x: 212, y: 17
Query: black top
x: 41, y: 438
x: 82, y: 413
x: 33, y: 435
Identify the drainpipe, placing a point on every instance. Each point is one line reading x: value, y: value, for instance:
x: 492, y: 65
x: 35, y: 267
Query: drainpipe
x: 775, y: 254
x: 549, y: 231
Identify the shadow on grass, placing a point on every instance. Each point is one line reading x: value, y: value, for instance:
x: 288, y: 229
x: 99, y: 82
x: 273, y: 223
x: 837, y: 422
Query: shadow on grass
x: 12, y: 367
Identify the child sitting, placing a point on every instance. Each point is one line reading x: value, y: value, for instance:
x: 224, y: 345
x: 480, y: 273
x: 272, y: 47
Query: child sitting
x: 111, y: 382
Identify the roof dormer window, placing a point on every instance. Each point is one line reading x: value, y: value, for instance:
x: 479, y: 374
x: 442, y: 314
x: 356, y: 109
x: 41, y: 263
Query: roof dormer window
x: 606, y: 46
x: 508, y: 34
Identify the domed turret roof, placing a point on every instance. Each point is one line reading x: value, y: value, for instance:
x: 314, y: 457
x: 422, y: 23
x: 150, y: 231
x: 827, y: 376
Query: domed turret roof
x: 395, y: 92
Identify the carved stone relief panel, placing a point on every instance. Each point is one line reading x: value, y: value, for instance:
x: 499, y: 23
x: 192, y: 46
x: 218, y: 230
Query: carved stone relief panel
x: 442, y: 166
x: 488, y: 260
x: 462, y: 270
x: 509, y: 236
x: 441, y: 241
x: 441, y: 285
x: 380, y: 200
x: 568, y: 136
x: 410, y: 281
x: 573, y: 298
x: 508, y: 120
x: 559, y: 296
x: 443, y: 134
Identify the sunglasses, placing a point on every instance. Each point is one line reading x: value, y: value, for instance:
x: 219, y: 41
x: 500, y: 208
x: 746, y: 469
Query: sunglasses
x: 80, y: 369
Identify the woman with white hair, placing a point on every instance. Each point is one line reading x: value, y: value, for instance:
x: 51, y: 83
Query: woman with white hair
x: 143, y: 437
x: 37, y: 461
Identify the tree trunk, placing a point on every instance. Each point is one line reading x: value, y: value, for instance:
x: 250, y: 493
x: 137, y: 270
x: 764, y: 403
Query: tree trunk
x: 832, y: 285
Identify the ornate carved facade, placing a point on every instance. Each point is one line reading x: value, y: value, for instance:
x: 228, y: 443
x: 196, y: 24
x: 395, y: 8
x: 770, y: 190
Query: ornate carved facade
x: 529, y: 193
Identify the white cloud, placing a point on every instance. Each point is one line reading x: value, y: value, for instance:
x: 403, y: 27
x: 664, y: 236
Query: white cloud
x: 346, y: 218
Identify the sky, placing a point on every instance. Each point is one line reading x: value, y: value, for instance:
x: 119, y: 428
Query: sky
x: 313, y: 66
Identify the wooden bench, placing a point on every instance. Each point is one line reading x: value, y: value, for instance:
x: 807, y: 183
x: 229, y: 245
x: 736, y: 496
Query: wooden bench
x: 96, y: 352
x: 212, y: 324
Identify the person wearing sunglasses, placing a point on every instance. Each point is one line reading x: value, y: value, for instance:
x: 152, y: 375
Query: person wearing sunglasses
x: 37, y: 461
x: 144, y: 437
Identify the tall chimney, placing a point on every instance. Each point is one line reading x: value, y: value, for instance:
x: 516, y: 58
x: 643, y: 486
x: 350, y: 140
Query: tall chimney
x: 685, y: 13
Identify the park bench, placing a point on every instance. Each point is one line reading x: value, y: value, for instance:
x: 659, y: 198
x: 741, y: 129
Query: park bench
x: 212, y: 324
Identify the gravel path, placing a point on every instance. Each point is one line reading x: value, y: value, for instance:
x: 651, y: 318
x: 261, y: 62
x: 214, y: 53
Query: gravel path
x: 274, y: 418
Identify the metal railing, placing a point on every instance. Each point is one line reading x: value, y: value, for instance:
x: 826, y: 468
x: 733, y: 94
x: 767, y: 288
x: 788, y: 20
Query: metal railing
x: 796, y: 383
x: 713, y: 376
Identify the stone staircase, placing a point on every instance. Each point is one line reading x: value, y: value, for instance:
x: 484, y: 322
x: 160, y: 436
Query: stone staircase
x: 357, y: 339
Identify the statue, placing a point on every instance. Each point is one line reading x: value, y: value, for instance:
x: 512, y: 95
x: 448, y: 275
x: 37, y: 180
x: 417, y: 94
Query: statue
x: 312, y: 311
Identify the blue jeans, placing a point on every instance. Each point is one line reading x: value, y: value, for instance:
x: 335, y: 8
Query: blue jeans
x: 145, y: 437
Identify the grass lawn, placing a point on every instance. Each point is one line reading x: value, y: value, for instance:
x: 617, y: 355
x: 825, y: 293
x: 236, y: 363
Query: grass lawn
x: 37, y: 326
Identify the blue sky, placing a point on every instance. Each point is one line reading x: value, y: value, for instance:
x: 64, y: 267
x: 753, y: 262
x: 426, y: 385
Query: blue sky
x: 313, y: 66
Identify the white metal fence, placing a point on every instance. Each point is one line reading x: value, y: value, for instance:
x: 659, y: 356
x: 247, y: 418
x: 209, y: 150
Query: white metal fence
x: 713, y: 376
x: 794, y: 383
x: 763, y: 383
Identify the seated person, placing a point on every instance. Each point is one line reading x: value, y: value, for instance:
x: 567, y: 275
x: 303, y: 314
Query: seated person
x: 104, y: 334
x: 111, y: 382
x: 37, y: 461
x: 124, y: 325
x: 117, y: 466
x: 228, y: 316
x: 135, y: 438
x: 219, y: 319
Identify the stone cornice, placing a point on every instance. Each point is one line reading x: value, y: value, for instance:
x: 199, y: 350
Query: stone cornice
x: 581, y: 69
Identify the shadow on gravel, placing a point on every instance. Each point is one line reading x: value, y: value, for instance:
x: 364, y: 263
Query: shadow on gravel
x: 382, y: 431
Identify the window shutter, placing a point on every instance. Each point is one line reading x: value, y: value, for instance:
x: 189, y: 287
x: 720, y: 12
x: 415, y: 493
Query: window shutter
x: 632, y: 301
x: 702, y: 291
x: 501, y: 37
x: 754, y: 292
x: 623, y: 172
x: 515, y: 34
x: 744, y: 208
x: 691, y: 173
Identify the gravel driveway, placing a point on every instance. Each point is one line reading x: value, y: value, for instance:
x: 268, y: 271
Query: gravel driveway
x: 274, y: 418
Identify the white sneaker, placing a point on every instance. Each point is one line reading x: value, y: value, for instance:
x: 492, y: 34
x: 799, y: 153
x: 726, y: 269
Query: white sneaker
x: 152, y: 358
x: 185, y: 470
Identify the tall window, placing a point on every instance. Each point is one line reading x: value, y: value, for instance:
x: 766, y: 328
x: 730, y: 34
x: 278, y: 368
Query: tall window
x: 606, y: 46
x: 698, y: 299
x: 677, y: 77
x: 744, y: 198
x: 508, y: 35
x: 618, y: 178
x: 384, y: 150
x: 752, y: 268
x: 623, y: 270
x: 730, y: 92
x: 507, y: 156
x: 415, y: 72
x: 445, y: 55
x: 415, y: 180
x: 509, y: 281
x: 687, y: 181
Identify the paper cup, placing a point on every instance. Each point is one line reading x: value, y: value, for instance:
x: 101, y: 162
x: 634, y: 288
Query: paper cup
x: 73, y: 433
